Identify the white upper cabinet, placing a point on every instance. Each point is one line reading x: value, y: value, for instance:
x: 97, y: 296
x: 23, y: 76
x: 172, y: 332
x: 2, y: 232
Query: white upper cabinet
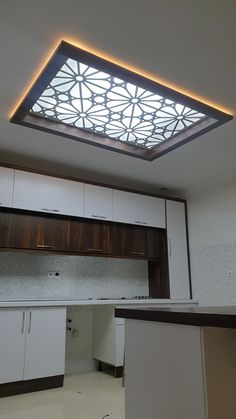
x: 98, y: 202
x: 6, y: 186
x: 138, y: 209
x: 177, y: 250
x: 48, y: 194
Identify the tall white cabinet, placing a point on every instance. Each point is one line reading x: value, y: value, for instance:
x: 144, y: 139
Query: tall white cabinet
x: 6, y: 186
x: 177, y: 250
x: 32, y: 343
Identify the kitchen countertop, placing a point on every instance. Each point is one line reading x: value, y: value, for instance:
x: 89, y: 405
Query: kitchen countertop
x: 85, y: 302
x: 196, y: 316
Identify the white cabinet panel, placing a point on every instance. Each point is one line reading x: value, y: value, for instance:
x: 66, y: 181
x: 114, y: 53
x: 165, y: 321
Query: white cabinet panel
x: 12, y: 345
x: 45, y: 342
x: 6, y: 186
x: 138, y: 209
x: 98, y: 202
x: 48, y: 194
x: 177, y: 250
x: 108, y: 339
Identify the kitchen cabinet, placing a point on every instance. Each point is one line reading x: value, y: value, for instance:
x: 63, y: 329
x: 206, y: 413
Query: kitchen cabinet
x: 88, y: 237
x: 6, y: 186
x: 12, y: 345
x: 134, y: 241
x: 177, y: 250
x: 108, y: 339
x: 32, y: 343
x: 98, y: 202
x: 48, y: 194
x: 39, y: 233
x: 45, y: 342
x: 4, y: 229
x: 138, y: 209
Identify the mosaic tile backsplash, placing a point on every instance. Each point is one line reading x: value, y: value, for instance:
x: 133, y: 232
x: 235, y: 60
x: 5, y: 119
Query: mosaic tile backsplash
x: 26, y: 276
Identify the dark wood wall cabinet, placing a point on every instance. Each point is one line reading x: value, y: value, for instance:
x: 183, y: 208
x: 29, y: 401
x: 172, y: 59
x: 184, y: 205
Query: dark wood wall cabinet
x: 21, y: 230
x: 27, y: 231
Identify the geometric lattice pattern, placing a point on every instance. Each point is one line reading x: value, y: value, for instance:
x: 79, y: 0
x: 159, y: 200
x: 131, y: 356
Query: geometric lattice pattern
x: 87, y: 98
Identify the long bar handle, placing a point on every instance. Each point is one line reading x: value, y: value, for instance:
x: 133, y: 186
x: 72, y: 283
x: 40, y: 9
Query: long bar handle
x: 23, y: 322
x: 45, y: 246
x: 30, y: 318
x: 170, y: 249
x: 50, y: 209
x: 99, y: 216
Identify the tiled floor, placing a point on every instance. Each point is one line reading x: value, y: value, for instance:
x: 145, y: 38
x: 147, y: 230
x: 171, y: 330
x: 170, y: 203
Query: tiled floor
x: 85, y: 396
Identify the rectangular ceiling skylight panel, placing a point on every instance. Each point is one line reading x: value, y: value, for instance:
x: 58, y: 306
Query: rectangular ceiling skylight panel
x: 84, y: 97
x: 103, y: 104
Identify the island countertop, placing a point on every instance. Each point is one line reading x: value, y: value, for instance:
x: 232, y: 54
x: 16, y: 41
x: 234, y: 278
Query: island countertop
x: 222, y: 316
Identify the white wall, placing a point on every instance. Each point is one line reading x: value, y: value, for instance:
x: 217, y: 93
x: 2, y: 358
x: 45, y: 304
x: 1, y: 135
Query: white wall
x: 212, y: 235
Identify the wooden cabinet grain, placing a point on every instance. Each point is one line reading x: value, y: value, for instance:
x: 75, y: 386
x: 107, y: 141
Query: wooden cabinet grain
x: 88, y: 237
x: 4, y: 229
x: 35, y: 232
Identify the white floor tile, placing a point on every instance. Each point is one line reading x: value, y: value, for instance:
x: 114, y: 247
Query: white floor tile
x: 84, y: 396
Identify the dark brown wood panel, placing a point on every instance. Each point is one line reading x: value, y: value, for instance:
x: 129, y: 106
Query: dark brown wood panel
x: 38, y: 232
x: 4, y: 229
x: 127, y: 240
x: 29, y: 386
x: 195, y: 316
x: 89, y: 236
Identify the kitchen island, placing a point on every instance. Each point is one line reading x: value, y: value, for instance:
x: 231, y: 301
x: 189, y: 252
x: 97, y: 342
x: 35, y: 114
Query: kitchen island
x: 180, y: 362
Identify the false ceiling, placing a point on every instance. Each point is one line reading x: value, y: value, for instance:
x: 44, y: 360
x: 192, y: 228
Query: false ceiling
x: 191, y: 49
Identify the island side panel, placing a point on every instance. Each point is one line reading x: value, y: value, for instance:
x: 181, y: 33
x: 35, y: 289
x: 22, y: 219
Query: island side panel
x: 163, y: 371
x: 220, y: 371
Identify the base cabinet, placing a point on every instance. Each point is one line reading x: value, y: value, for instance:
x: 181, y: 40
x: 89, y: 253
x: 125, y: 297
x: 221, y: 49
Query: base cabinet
x: 32, y: 343
x: 108, y: 339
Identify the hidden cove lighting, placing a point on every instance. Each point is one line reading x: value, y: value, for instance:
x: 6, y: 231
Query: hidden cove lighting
x: 83, y: 97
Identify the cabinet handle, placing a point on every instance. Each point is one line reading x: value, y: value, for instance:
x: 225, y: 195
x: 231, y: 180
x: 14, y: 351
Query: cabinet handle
x: 99, y: 216
x: 169, y: 247
x: 29, y: 327
x: 50, y: 209
x: 95, y: 250
x: 23, y: 323
x: 45, y: 246
x: 137, y: 253
x: 141, y: 222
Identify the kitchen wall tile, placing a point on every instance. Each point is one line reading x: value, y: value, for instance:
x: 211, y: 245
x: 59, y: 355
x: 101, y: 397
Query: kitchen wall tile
x: 26, y: 276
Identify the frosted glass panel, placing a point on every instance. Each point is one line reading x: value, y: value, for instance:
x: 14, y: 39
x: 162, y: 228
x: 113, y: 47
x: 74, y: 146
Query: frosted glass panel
x: 85, y: 97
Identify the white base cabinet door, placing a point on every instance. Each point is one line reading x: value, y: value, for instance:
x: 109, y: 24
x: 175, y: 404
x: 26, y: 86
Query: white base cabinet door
x: 12, y: 345
x: 32, y: 343
x: 177, y: 250
x: 45, y: 343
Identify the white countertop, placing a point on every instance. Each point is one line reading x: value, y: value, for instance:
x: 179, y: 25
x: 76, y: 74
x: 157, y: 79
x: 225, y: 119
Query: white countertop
x: 89, y: 302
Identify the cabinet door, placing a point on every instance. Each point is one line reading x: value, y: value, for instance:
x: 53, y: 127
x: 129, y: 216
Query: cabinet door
x: 89, y: 237
x: 126, y: 240
x: 177, y: 250
x: 138, y: 209
x: 6, y: 186
x: 4, y: 229
x: 154, y: 245
x: 98, y: 202
x: 41, y: 233
x: 45, y: 342
x: 48, y: 194
x: 12, y: 344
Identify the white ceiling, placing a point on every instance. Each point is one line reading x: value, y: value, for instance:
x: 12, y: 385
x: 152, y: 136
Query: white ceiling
x: 189, y: 43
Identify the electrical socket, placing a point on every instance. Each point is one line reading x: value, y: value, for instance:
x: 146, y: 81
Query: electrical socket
x: 54, y: 274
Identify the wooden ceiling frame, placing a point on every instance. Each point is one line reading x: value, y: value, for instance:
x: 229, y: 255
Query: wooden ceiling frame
x: 23, y: 116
